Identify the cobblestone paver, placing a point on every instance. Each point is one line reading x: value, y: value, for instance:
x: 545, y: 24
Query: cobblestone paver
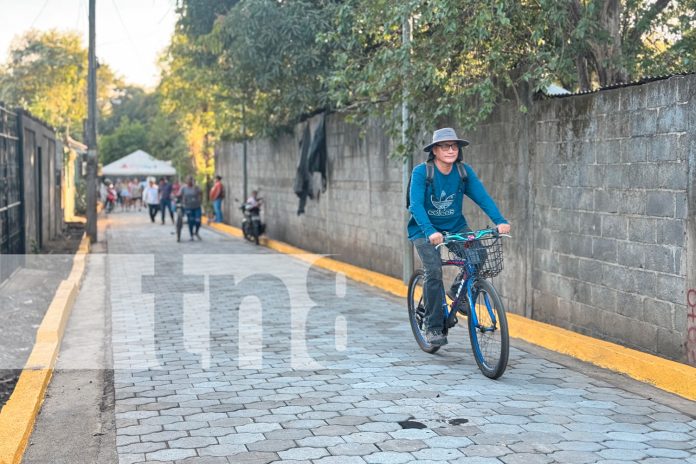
x: 226, y: 352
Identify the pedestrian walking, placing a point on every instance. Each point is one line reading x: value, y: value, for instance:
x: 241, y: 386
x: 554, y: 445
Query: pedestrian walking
x: 192, y: 196
x: 151, y: 197
x: 176, y: 187
x: 217, y: 194
x: 125, y: 196
x: 136, y: 193
x: 165, y: 196
x: 111, y: 198
x: 143, y: 185
x: 117, y: 186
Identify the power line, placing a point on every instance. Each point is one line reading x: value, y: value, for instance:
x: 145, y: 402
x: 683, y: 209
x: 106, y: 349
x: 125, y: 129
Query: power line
x: 38, y: 15
x: 171, y: 5
x: 123, y: 24
x: 79, y: 14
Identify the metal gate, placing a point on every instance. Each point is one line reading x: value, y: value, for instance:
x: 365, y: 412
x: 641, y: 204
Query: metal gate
x: 11, y: 198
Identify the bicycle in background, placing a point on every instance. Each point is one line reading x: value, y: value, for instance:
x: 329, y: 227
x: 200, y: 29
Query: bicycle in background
x: 479, y: 256
x: 179, y: 218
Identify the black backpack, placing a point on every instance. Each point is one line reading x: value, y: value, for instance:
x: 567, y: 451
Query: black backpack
x: 430, y: 172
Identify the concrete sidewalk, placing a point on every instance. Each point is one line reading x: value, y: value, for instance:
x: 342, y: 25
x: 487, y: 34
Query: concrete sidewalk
x: 227, y: 352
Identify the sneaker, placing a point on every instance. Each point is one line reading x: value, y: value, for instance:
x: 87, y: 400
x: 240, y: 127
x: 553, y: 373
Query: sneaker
x: 198, y: 236
x: 435, y: 337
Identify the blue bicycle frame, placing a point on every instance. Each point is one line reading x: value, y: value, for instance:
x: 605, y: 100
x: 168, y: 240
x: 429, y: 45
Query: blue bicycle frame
x: 450, y: 311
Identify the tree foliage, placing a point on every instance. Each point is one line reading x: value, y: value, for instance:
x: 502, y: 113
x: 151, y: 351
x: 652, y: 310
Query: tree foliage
x: 126, y: 138
x: 47, y: 74
x: 253, y: 67
x: 268, y: 50
x: 136, y: 121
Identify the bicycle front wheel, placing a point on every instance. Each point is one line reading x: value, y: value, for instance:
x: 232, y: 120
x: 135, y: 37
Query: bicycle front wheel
x: 489, y: 334
x: 416, y: 311
x: 179, y: 226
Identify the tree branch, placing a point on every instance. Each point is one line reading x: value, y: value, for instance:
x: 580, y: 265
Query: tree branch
x: 643, y: 24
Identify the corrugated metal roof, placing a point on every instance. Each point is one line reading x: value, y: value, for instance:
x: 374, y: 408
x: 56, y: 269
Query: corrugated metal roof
x: 618, y: 85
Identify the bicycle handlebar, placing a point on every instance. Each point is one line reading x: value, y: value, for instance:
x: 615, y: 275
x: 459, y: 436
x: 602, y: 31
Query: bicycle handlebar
x: 471, y: 236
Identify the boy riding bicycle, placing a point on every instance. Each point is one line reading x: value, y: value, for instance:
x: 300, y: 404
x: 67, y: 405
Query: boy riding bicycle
x: 436, y: 195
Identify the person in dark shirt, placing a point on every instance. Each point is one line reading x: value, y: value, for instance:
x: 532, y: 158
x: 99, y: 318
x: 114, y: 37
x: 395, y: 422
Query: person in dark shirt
x: 165, y: 198
x: 191, y: 196
x: 436, y: 207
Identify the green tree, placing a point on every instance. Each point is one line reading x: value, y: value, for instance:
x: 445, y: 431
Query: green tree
x: 128, y: 137
x: 612, y: 41
x: 137, y: 121
x: 130, y: 102
x: 46, y: 74
x: 270, y: 53
x: 281, y: 61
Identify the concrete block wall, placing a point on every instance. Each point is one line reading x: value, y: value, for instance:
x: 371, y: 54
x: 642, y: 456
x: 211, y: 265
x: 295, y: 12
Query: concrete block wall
x: 357, y: 219
x: 610, y: 178
x: 599, y: 188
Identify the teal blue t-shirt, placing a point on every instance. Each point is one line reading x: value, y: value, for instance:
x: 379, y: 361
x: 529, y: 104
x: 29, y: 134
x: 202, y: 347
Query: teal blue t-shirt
x: 440, y: 208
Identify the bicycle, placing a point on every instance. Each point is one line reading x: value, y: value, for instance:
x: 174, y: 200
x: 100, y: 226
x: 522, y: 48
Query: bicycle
x: 179, y: 220
x: 479, y: 256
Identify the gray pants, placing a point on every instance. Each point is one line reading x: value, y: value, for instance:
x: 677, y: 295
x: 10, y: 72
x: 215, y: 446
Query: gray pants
x: 433, y: 288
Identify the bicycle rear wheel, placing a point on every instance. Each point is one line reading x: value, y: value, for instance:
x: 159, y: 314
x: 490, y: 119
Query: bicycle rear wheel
x: 179, y: 226
x: 489, y: 339
x: 416, y: 311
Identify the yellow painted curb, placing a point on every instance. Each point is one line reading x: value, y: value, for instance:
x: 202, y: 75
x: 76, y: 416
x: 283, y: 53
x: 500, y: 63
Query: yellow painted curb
x: 18, y: 415
x: 667, y: 375
x: 384, y: 282
x: 664, y: 374
x: 56, y: 317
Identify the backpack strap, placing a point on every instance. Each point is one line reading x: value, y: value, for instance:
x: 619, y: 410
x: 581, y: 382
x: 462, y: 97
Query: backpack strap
x: 429, y: 172
x: 461, y: 167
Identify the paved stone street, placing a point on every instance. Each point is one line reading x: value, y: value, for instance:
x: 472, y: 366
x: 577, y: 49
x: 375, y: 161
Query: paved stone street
x: 227, y: 352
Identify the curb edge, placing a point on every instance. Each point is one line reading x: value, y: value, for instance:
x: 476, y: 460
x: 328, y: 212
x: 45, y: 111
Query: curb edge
x: 18, y: 416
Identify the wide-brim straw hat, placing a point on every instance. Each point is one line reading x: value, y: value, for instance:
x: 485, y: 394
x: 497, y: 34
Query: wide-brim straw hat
x: 446, y: 134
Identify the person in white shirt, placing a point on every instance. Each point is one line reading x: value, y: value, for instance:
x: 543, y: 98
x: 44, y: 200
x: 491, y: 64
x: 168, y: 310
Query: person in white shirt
x: 151, y: 197
x: 254, y: 201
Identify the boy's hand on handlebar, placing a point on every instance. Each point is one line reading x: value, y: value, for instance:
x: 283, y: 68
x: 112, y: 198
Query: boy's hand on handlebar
x: 504, y: 228
x: 436, y: 238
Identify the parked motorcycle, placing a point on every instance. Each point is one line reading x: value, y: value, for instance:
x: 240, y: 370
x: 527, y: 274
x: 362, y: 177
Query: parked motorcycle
x: 252, y: 227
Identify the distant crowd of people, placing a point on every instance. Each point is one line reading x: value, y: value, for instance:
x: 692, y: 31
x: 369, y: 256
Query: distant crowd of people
x: 161, y: 196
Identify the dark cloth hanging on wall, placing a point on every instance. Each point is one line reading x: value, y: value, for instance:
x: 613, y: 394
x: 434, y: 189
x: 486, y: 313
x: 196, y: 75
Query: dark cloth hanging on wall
x: 317, y: 152
x: 313, y: 159
x: 302, y: 177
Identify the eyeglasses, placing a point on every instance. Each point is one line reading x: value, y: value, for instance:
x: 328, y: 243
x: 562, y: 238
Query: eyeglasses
x: 448, y: 146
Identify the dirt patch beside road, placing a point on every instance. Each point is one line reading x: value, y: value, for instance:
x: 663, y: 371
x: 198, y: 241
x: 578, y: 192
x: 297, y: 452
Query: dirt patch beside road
x: 24, y: 299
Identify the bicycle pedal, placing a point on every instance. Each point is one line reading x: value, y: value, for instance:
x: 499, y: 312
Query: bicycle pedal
x: 452, y: 322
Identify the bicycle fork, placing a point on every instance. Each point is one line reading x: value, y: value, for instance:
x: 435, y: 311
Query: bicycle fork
x: 451, y: 313
x: 472, y: 311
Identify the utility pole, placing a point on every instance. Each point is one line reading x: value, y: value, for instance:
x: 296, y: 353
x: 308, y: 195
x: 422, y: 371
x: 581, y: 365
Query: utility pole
x: 91, y: 135
x: 408, y: 162
x: 244, y: 151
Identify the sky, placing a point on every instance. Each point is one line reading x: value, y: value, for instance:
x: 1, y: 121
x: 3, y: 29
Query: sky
x: 130, y: 34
